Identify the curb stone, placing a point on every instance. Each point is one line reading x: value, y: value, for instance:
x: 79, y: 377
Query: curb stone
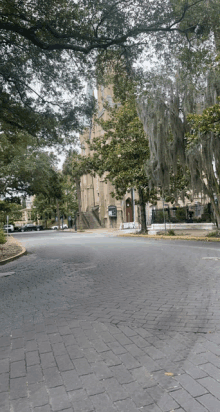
x: 197, y: 238
x: 10, y: 259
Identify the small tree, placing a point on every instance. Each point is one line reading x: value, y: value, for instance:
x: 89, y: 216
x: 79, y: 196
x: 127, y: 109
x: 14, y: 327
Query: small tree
x: 44, y: 208
x: 74, y: 167
x: 11, y: 209
x: 45, y: 204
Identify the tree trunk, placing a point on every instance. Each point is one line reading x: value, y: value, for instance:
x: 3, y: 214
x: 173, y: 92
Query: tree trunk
x: 142, y: 207
x: 215, y: 206
x: 217, y: 213
x: 58, y: 214
x: 78, y: 192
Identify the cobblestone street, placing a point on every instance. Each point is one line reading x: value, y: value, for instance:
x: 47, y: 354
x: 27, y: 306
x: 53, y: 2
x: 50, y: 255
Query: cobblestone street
x: 97, y: 323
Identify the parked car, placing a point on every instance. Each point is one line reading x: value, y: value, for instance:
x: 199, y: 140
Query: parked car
x: 65, y: 226
x: 17, y: 228
x: 8, y: 228
x: 30, y: 227
x: 39, y: 227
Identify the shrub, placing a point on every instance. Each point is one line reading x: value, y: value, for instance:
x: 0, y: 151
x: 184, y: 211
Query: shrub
x: 181, y: 214
x: 207, y: 214
x: 213, y: 234
x: 2, y: 237
x: 171, y: 232
x: 159, y: 216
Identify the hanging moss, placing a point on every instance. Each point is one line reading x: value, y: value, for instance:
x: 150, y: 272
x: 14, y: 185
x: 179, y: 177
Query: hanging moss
x: 192, y: 140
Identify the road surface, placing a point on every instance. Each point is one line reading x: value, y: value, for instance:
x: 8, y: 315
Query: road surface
x: 93, y: 322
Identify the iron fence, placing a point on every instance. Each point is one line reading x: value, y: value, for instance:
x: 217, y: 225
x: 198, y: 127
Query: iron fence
x: 186, y: 214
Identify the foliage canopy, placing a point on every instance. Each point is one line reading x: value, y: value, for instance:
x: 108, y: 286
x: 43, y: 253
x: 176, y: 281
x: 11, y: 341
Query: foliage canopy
x: 49, y: 47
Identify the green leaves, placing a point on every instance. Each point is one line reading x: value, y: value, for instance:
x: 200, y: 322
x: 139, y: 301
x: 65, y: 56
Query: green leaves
x: 50, y: 48
x: 24, y: 168
x: 202, y: 124
x: 63, y: 191
x: 11, y: 209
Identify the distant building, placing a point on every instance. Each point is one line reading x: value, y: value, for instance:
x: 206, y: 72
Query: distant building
x: 26, y: 211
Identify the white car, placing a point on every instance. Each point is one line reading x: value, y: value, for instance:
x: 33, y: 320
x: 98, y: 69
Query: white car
x: 56, y: 226
x: 9, y: 228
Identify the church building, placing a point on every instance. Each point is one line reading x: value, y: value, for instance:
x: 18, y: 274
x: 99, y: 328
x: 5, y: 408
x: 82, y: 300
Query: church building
x: 96, y: 196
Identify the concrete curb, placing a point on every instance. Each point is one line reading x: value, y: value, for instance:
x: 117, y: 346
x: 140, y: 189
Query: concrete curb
x: 204, y: 239
x: 10, y: 259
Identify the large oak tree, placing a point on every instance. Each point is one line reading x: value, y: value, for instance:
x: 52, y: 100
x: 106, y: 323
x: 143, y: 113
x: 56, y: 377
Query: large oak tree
x: 49, y: 47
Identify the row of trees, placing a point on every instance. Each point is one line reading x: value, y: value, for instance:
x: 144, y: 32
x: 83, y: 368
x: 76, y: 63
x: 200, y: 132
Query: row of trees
x: 54, y: 198
x: 27, y: 170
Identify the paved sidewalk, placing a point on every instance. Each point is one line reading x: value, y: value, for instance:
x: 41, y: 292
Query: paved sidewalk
x: 112, y: 340
x: 187, y: 233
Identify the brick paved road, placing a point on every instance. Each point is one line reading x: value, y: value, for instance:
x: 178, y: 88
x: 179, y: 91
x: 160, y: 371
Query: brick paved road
x: 97, y: 323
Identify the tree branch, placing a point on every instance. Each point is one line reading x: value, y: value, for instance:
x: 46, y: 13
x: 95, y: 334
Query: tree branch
x: 32, y: 34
